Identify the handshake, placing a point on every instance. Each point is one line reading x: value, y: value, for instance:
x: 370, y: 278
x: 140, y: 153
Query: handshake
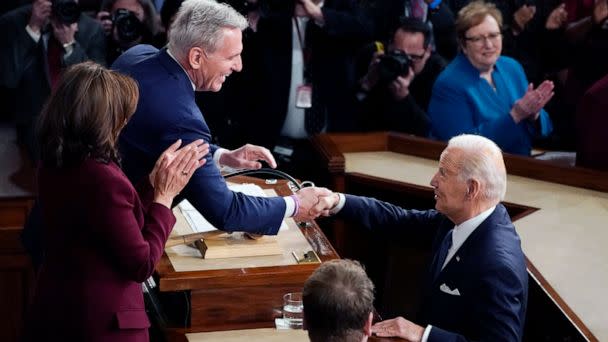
x: 313, y: 202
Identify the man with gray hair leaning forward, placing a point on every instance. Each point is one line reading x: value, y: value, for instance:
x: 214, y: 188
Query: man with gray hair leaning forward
x: 477, y: 286
x: 338, y: 303
x: 204, y: 49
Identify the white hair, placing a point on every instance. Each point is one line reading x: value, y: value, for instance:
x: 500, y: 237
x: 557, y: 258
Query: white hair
x: 481, y: 160
x: 200, y: 23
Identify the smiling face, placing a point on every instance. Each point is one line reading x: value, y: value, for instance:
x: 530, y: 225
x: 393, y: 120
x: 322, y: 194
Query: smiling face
x: 218, y: 65
x: 482, y: 44
x: 450, y: 190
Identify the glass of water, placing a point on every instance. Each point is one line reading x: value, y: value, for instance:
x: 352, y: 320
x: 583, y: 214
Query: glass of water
x: 292, y: 310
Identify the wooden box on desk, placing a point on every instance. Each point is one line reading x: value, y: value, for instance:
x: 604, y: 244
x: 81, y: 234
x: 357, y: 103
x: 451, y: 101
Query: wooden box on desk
x: 248, y: 296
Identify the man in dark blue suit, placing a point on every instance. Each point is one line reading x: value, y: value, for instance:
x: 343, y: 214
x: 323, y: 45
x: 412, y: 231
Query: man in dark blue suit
x: 477, y: 284
x: 204, y: 48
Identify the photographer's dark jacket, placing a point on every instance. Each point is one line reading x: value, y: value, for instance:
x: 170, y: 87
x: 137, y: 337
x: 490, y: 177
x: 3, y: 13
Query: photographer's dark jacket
x: 24, y: 70
x: 263, y: 92
x: 379, y: 111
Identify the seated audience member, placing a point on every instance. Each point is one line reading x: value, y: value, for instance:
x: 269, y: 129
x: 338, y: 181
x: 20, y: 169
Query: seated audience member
x: 592, y: 119
x: 477, y: 286
x: 38, y: 42
x: 103, y: 237
x: 338, y: 302
x: 396, y: 99
x: 483, y: 93
x: 127, y: 23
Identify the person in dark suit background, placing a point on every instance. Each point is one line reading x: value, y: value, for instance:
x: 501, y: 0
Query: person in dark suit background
x: 204, y: 49
x: 400, y: 105
x: 103, y: 237
x: 36, y: 46
x: 338, y: 300
x: 291, y: 46
x: 477, y: 287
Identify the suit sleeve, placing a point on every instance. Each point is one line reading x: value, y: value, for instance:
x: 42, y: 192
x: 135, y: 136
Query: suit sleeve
x: 499, y: 298
x: 382, y: 216
x: 224, y: 209
x: 135, y: 250
x: 18, y: 51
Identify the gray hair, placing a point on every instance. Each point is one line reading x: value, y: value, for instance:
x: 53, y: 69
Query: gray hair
x: 200, y: 23
x: 481, y: 160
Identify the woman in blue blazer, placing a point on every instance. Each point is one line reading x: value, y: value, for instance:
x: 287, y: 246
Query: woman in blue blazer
x: 481, y: 92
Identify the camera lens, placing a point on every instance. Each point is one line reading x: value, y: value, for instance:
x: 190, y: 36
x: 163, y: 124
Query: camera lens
x: 392, y: 65
x: 128, y: 26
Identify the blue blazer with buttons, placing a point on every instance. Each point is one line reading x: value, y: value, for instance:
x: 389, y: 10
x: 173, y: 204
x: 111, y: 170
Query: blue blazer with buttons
x: 488, y: 270
x: 167, y: 111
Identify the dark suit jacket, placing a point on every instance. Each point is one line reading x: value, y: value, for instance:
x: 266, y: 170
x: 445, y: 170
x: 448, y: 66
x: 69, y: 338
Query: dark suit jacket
x: 166, y: 111
x: 23, y: 63
x: 102, y: 241
x: 24, y: 71
x: 267, y: 69
x: 592, y: 120
x: 490, y: 272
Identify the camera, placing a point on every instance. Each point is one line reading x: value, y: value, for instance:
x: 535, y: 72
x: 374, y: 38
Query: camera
x: 66, y: 11
x: 128, y: 27
x: 391, y: 65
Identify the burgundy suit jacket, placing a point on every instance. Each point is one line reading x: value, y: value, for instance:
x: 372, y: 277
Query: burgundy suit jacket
x: 103, y: 240
x: 592, y: 122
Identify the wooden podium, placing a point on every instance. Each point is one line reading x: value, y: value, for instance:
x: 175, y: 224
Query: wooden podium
x: 561, y: 214
x: 241, y: 297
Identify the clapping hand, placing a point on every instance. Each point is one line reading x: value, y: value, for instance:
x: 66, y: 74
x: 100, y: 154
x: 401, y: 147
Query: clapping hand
x: 523, y: 15
x: 174, y: 168
x: 41, y: 11
x: 247, y: 157
x: 529, y: 106
x: 557, y: 18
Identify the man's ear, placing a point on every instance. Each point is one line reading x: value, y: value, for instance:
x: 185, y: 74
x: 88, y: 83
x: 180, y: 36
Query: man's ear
x: 195, y: 57
x: 473, y: 188
x: 367, y: 328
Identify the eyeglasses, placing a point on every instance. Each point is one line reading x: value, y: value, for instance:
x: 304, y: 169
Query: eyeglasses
x: 481, y: 39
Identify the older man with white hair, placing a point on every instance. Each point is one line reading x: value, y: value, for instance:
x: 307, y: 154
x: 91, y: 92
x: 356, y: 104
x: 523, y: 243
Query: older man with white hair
x: 477, y: 285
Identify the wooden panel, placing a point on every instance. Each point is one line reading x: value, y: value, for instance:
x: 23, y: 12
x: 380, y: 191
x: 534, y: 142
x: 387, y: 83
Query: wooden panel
x: 245, y: 297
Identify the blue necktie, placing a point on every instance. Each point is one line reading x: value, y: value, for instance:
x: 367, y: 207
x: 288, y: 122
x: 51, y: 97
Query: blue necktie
x: 442, y: 253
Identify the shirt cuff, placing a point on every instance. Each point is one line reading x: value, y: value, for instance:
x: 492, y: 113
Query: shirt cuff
x: 290, y: 206
x: 339, y: 206
x: 218, y: 154
x: 426, y: 334
x: 34, y: 35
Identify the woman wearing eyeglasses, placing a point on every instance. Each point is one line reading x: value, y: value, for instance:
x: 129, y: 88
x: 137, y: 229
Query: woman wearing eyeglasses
x: 481, y: 92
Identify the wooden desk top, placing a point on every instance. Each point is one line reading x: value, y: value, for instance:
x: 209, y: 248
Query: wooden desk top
x: 563, y: 234
x: 174, y: 280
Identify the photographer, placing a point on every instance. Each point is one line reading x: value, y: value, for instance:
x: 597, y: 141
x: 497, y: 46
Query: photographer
x: 39, y: 41
x: 127, y: 23
x: 396, y: 88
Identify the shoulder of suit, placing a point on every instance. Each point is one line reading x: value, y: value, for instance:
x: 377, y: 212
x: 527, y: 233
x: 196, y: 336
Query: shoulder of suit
x: 106, y: 174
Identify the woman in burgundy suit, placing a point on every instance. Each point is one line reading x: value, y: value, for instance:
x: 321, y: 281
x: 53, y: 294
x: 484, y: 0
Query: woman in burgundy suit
x: 103, y: 237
